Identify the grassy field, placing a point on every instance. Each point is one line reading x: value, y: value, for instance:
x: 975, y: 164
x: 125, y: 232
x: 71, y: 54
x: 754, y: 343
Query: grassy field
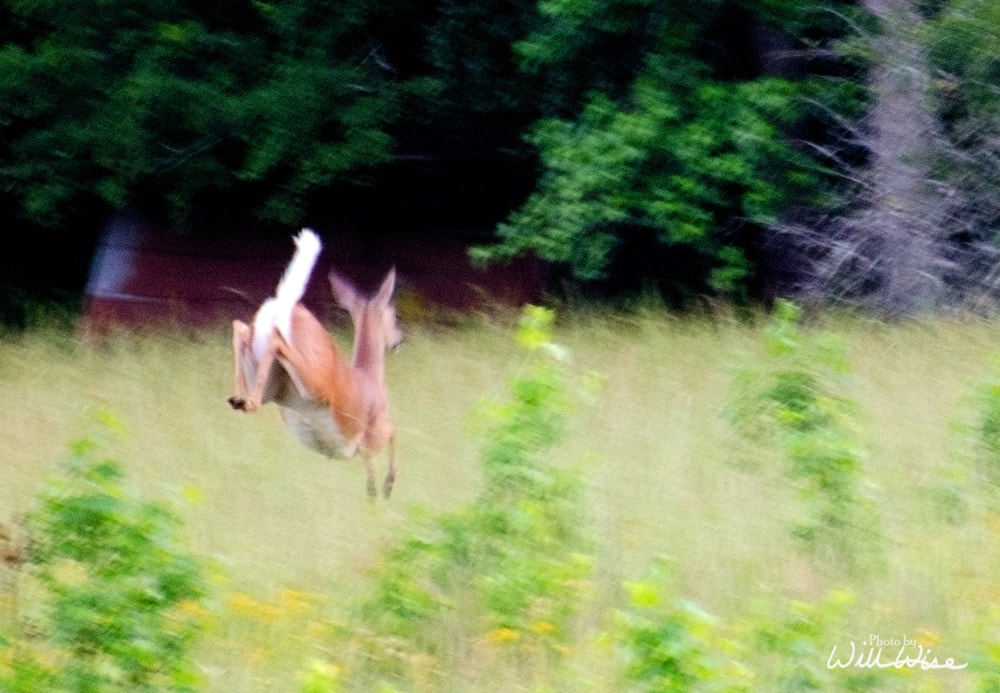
x: 665, y: 474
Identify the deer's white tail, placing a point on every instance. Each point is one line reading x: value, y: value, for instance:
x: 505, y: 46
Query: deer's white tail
x: 277, y: 312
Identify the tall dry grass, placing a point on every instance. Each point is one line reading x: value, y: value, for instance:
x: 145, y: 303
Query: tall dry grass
x: 666, y: 475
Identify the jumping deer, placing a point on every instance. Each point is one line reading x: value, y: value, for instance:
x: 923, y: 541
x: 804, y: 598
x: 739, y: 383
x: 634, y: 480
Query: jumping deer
x: 337, y: 408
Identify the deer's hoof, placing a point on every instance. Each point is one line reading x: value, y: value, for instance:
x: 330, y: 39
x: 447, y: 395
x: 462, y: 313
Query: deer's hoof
x: 237, y: 403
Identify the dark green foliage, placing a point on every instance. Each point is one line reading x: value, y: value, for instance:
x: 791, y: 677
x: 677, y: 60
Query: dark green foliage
x: 648, y: 118
x: 163, y: 104
x: 963, y: 47
x: 699, y: 130
x: 676, y: 163
x: 482, y: 100
x: 665, y: 140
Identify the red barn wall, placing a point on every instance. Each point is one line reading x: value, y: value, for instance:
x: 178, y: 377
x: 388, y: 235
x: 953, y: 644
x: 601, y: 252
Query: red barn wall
x: 142, y: 273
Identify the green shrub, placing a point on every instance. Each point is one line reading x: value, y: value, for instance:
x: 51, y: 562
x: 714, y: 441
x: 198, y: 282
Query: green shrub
x: 108, y: 595
x: 501, y: 579
x: 794, y: 402
x: 986, y: 431
x: 794, y: 648
x: 967, y: 482
x: 671, y: 645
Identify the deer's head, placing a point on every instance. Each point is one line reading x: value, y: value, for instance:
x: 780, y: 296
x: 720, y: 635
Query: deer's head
x: 374, y: 318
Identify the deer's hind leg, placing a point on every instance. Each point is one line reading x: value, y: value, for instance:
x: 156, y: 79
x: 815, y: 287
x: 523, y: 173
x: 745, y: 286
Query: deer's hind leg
x: 266, y: 380
x: 370, y: 476
x: 390, y: 476
x: 253, y: 379
x: 243, y: 370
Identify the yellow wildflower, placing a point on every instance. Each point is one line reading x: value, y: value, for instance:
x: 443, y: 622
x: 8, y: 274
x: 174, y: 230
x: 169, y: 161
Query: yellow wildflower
x: 927, y: 638
x: 542, y: 627
x: 502, y: 635
x: 296, y: 601
x: 244, y: 604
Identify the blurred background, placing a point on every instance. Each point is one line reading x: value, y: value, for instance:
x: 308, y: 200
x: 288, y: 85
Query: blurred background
x: 725, y: 148
x: 664, y: 489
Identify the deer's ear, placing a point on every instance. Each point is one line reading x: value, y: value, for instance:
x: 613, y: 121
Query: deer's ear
x: 343, y: 291
x: 384, y: 294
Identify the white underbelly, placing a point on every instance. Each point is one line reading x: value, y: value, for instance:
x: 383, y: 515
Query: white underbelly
x: 316, y: 428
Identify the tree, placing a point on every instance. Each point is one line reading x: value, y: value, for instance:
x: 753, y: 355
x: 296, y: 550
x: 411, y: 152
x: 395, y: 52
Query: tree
x: 165, y: 104
x: 681, y: 136
x: 963, y: 46
x: 917, y: 231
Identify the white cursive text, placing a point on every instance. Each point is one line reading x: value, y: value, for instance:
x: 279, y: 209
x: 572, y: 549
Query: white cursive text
x: 873, y: 660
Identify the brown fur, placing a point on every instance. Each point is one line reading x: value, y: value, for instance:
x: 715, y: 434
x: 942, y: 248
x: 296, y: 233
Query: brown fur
x: 318, y: 391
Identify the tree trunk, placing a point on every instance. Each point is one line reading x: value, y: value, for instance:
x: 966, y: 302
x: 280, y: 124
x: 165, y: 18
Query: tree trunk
x: 901, y: 222
x: 888, y: 248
